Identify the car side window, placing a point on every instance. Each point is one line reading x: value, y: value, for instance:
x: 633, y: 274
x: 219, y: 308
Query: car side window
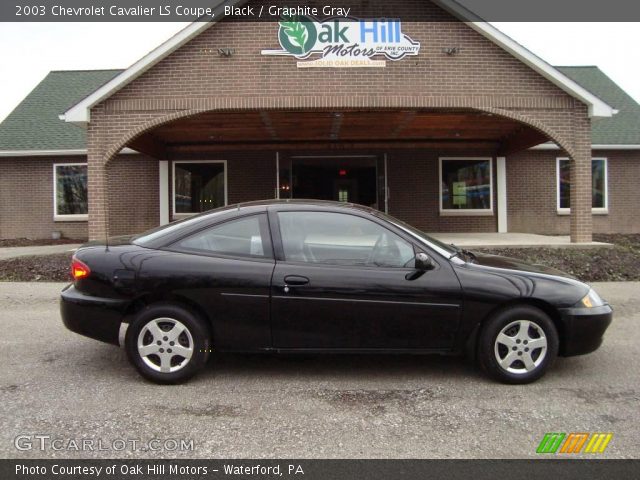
x: 341, y: 239
x: 244, y: 237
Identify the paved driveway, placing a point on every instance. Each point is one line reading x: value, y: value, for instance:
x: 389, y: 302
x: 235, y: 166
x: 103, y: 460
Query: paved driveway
x: 56, y: 383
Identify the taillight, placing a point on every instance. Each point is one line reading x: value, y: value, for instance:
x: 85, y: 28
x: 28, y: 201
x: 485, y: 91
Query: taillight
x: 79, y: 269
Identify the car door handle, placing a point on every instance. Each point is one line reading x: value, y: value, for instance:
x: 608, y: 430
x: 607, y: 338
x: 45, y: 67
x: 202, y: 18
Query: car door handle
x: 295, y: 280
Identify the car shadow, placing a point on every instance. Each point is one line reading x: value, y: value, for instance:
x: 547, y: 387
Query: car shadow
x: 112, y: 362
x: 344, y: 367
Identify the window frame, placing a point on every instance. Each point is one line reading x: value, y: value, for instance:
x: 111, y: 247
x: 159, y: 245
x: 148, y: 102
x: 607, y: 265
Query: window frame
x: 274, y: 221
x: 267, y: 241
x: 179, y: 215
x: 594, y: 211
x: 485, y: 212
x: 74, y: 217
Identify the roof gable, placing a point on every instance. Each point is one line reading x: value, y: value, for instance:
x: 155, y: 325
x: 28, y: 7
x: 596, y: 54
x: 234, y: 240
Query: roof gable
x: 80, y: 113
x: 597, y: 107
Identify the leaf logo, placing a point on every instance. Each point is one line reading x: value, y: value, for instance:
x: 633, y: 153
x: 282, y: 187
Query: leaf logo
x: 296, y: 32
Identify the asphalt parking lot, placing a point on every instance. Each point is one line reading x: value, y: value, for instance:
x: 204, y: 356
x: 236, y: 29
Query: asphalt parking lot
x: 58, y: 384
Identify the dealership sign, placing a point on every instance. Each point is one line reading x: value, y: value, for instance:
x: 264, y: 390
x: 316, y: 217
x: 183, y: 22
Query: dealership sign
x: 344, y: 42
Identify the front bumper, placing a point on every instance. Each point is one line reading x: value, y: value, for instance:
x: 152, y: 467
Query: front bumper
x: 584, y: 329
x: 93, y: 317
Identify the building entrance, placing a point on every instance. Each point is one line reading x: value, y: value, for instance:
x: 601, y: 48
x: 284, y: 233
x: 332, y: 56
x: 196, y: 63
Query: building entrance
x: 350, y: 179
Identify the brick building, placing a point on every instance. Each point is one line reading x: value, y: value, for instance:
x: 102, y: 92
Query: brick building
x: 468, y: 131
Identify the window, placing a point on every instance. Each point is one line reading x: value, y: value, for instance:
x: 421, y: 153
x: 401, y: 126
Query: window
x: 70, y: 191
x: 199, y: 186
x: 341, y: 239
x: 466, y: 186
x: 244, y: 237
x: 599, y: 202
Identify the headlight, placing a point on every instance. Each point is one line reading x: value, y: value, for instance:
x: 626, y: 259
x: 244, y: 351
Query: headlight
x: 592, y: 299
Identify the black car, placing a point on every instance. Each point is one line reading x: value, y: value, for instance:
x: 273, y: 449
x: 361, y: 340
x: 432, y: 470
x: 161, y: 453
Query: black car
x: 313, y: 276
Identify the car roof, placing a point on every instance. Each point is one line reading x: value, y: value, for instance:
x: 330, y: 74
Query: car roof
x: 158, y: 237
x: 298, y: 202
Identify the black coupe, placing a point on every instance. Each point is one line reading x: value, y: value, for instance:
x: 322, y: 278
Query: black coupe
x: 313, y: 276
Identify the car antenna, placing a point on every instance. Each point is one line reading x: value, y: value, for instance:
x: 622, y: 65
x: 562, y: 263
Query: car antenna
x: 106, y: 231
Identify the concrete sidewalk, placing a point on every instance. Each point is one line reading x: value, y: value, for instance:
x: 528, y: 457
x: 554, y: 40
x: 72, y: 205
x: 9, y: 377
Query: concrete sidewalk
x: 512, y: 240
x: 14, y: 252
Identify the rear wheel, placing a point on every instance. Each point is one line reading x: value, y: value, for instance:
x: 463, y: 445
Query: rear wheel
x: 518, y: 345
x: 168, y: 343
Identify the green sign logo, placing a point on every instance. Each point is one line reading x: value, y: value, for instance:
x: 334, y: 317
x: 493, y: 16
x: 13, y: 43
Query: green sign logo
x: 297, y: 35
x: 343, y: 41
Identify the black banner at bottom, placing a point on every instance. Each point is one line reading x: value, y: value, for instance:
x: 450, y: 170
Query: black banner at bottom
x: 579, y: 469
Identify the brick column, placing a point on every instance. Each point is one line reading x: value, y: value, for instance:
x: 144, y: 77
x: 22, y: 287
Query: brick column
x: 97, y: 185
x: 581, y: 218
x: 97, y: 192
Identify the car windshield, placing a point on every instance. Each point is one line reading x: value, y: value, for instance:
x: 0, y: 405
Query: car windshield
x: 449, y: 249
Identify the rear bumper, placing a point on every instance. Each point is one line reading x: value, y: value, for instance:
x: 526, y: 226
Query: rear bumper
x: 93, y: 317
x: 584, y: 329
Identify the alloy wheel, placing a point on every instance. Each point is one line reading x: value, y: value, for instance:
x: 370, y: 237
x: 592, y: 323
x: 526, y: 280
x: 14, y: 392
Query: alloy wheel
x: 165, y: 345
x: 520, y: 347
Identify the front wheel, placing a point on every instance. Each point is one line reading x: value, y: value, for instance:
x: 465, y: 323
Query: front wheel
x: 167, y: 343
x: 518, y: 345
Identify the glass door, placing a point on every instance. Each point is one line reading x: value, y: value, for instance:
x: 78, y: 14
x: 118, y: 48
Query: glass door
x: 354, y: 179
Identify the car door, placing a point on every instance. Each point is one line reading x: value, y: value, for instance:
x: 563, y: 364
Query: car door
x: 346, y: 281
x: 226, y: 269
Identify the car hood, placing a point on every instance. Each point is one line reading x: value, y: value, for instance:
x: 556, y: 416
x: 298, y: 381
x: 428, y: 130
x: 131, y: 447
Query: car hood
x: 498, y: 261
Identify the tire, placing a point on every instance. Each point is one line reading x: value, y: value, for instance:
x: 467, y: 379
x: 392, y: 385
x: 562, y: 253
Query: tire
x: 509, y: 353
x: 177, y: 340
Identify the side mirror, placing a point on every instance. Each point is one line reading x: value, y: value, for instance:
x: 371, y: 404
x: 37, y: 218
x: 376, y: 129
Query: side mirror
x: 424, y: 262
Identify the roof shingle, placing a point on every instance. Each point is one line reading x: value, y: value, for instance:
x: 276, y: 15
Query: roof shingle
x: 34, y: 123
x: 624, y: 127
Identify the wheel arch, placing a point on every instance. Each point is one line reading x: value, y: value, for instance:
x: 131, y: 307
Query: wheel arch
x: 148, y: 299
x: 551, y: 311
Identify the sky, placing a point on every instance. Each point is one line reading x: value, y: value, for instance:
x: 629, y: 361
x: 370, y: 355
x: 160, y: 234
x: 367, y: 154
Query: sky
x: 30, y: 50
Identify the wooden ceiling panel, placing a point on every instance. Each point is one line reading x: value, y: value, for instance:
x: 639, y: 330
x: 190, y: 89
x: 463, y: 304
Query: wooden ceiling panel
x: 215, y: 127
x: 219, y: 128
x: 296, y: 126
